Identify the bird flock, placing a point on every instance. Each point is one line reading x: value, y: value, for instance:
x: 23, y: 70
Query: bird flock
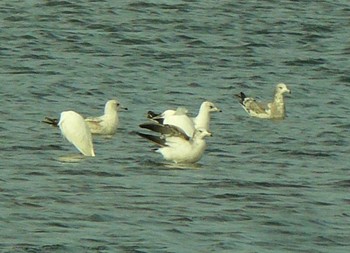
x: 179, y: 137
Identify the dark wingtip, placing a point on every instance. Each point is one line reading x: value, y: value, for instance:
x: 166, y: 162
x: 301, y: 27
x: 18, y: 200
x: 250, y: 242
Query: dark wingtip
x: 155, y: 116
x: 151, y: 114
x: 50, y: 121
x: 241, y: 97
x: 149, y: 126
x: 165, y: 129
x: 155, y: 139
x: 154, y: 126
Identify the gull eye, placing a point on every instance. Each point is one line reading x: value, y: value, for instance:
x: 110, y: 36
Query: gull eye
x: 118, y: 104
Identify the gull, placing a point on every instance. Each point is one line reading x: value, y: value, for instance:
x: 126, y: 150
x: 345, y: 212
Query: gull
x: 273, y: 110
x: 74, y: 128
x: 106, y: 124
x: 179, y: 118
x: 174, y: 144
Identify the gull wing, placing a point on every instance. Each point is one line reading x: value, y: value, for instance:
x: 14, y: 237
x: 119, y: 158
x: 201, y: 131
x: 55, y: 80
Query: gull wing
x: 155, y: 139
x: 252, y: 105
x: 165, y: 129
x: 94, y: 124
x: 75, y: 130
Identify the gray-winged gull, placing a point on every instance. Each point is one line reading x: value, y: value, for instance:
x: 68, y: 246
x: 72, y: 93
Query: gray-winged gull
x: 180, y: 118
x: 174, y: 144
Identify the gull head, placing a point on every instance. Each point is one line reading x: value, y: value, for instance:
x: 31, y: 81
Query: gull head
x: 201, y: 133
x: 113, y: 106
x: 210, y: 107
x: 282, y: 88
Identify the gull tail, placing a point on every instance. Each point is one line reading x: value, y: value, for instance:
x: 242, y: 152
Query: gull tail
x: 151, y: 114
x: 241, y: 97
x: 155, y: 116
x: 51, y: 121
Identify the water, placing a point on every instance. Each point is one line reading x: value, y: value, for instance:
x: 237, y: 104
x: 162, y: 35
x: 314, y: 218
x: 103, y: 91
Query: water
x: 262, y: 186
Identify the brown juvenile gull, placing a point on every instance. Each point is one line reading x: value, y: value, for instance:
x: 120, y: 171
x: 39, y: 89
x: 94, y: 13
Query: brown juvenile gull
x: 273, y: 110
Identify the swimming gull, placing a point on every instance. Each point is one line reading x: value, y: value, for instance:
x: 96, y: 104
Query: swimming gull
x: 106, y: 124
x: 273, y: 110
x: 180, y: 118
x: 174, y: 144
x: 76, y: 131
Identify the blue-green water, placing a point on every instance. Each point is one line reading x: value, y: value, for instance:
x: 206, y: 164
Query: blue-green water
x: 261, y: 186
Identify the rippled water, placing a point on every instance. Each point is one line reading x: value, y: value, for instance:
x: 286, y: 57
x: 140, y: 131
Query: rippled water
x: 262, y: 186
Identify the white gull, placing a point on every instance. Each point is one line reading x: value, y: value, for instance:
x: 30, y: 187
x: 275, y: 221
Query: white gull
x: 106, y: 124
x: 76, y: 131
